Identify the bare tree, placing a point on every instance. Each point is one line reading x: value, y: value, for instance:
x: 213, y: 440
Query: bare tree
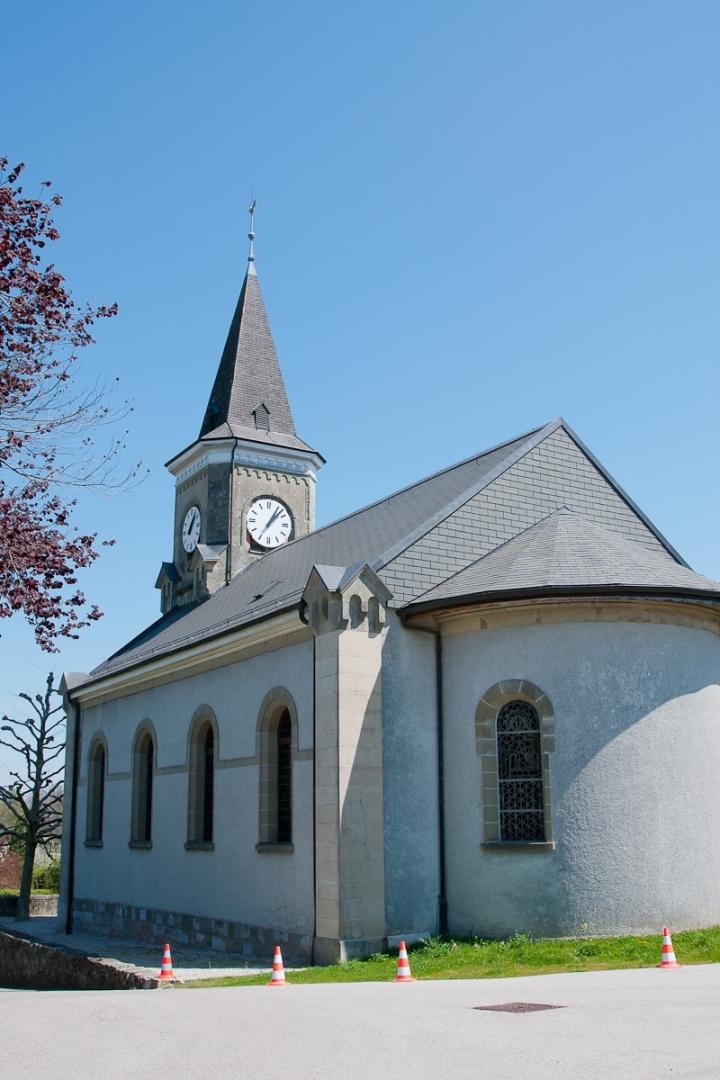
x: 34, y: 795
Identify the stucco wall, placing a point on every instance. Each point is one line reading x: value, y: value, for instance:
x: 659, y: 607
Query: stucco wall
x: 634, y: 779
x: 234, y: 881
x: 410, y: 795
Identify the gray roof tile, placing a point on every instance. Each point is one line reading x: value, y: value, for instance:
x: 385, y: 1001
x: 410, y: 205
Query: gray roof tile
x: 276, y: 580
x: 567, y: 551
x: 421, y: 536
x: 249, y: 374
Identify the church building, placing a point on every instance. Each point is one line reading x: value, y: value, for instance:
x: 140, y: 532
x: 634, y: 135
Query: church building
x: 486, y: 703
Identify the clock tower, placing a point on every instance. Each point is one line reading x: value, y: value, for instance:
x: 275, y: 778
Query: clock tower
x: 247, y: 484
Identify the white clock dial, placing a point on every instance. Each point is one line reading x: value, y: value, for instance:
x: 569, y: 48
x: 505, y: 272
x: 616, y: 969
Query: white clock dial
x: 269, y: 522
x: 191, y: 529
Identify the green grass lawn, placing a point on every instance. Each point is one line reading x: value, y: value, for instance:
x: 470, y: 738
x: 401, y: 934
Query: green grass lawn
x: 519, y: 955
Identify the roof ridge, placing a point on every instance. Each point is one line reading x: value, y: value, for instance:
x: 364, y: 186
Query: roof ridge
x: 624, y: 496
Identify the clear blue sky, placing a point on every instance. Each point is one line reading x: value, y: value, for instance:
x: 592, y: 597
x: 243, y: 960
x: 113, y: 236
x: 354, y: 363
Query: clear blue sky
x: 472, y: 217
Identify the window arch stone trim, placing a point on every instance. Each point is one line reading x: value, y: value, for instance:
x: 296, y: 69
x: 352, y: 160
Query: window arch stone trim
x: 202, y: 713
x: 275, y: 704
x: 486, y: 745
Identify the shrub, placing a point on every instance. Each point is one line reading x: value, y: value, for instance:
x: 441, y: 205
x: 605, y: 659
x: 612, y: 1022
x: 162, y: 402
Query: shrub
x: 47, y: 877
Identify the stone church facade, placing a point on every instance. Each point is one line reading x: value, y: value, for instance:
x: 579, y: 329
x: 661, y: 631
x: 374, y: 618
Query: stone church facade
x: 487, y: 703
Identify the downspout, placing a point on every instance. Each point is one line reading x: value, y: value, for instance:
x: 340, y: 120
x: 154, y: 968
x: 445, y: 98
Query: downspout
x: 314, y: 798
x: 442, y: 897
x: 73, y: 818
x: 442, y: 892
x: 228, y: 556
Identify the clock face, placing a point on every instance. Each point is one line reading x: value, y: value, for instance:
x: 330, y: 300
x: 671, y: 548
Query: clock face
x: 269, y: 522
x: 191, y: 529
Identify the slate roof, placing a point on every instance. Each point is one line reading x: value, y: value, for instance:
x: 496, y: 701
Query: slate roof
x: 565, y: 553
x: 553, y: 551
x: 373, y: 535
x: 249, y: 376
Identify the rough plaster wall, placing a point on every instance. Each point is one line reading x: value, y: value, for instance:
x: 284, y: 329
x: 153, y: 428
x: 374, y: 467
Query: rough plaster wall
x: 556, y: 473
x: 233, y: 881
x: 634, y: 780
x: 410, y: 780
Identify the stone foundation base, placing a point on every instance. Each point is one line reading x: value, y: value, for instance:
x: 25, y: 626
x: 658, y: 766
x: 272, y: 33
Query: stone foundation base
x: 154, y: 926
x: 340, y: 950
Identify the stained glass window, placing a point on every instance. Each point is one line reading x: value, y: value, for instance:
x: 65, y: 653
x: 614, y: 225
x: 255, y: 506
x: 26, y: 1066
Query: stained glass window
x: 520, y: 779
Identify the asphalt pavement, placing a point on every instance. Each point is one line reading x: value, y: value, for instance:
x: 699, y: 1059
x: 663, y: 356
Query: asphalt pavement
x: 643, y: 1024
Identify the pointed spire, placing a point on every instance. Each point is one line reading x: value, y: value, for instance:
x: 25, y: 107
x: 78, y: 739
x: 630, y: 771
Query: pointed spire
x: 248, y: 396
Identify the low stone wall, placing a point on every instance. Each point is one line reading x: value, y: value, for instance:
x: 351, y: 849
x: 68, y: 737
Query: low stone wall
x: 39, y: 905
x: 154, y: 926
x: 29, y: 965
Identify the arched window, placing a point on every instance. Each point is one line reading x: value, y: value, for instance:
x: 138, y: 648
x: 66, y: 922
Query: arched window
x: 277, y: 743
x: 97, y: 761
x: 202, y: 784
x: 373, y: 610
x: 283, y: 781
x: 355, y: 611
x: 520, y: 776
x: 142, y: 796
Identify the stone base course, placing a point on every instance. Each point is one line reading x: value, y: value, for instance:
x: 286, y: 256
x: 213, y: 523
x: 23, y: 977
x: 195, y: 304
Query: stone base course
x: 39, y: 905
x: 154, y: 926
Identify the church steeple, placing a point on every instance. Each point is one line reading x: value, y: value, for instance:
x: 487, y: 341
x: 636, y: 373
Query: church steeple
x: 247, y: 483
x: 249, y: 385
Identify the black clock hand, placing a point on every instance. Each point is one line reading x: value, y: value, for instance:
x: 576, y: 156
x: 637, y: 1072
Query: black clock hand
x: 272, y: 518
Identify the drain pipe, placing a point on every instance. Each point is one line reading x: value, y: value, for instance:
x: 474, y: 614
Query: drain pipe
x: 314, y: 796
x: 228, y: 555
x: 73, y: 815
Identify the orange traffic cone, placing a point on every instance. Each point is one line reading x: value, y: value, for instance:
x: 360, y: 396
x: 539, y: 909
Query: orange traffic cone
x: 667, y: 956
x: 403, y: 966
x: 166, y: 971
x: 278, y: 971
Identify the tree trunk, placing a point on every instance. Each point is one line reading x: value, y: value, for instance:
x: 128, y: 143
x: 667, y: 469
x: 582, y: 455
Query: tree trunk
x: 23, y: 906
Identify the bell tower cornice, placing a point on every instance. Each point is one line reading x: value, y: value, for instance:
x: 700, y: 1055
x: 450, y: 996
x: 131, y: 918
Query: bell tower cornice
x: 200, y: 455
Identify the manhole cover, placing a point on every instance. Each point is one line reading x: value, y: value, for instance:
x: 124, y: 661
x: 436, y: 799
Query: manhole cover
x: 517, y: 1007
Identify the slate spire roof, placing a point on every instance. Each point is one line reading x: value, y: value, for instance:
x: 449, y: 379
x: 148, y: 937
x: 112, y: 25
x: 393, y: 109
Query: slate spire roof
x: 564, y: 554
x: 248, y: 398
